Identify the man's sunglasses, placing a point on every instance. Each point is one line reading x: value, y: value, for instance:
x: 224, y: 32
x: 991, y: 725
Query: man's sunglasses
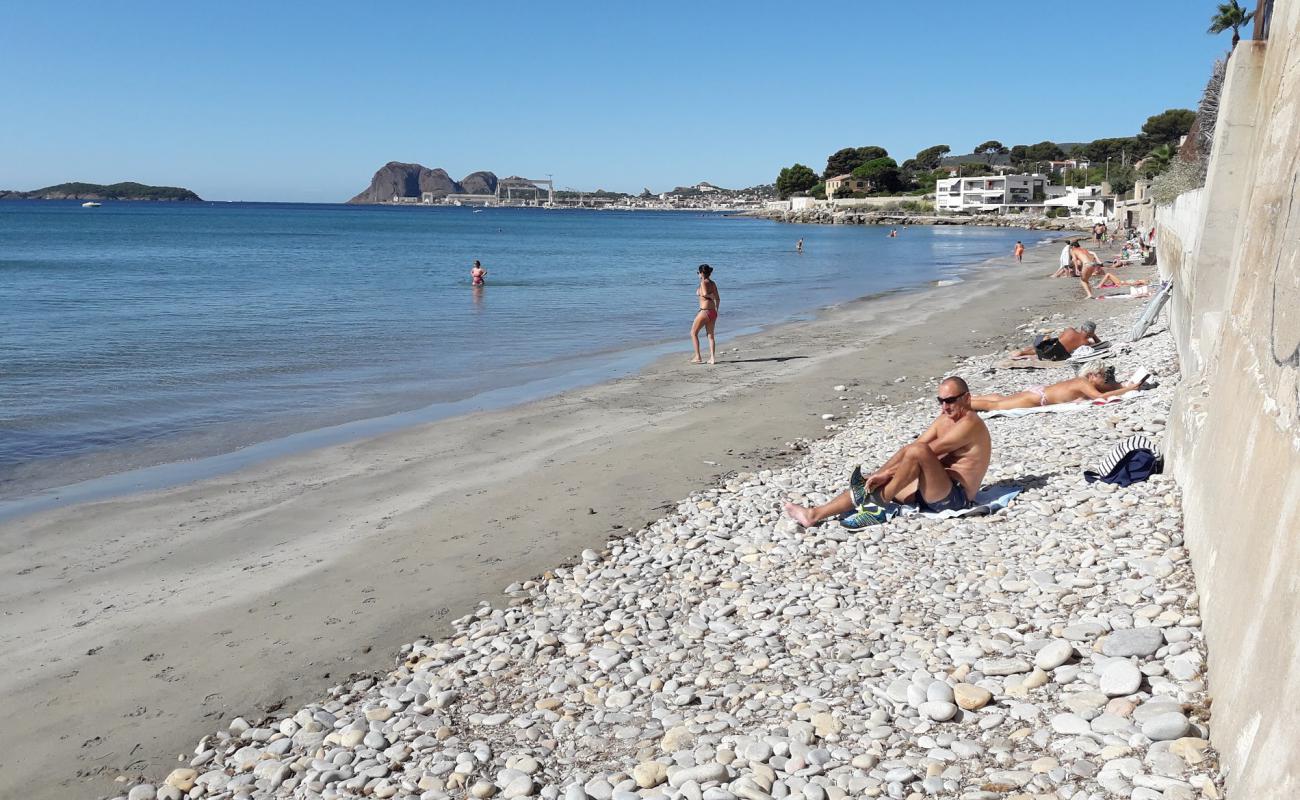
x: 943, y: 401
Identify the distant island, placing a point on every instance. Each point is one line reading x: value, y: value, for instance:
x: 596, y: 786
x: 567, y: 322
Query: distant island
x: 127, y: 190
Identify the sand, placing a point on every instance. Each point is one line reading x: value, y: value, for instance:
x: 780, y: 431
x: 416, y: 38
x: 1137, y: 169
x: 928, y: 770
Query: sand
x: 133, y: 626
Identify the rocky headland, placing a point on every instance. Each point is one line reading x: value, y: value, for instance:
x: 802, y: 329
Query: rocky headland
x: 127, y: 190
x: 402, y: 180
x: 827, y: 216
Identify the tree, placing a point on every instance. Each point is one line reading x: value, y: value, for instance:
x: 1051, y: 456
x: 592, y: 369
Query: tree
x: 1230, y: 15
x: 1158, y: 160
x: 931, y: 157
x: 1098, y: 150
x: 842, y: 162
x: 974, y: 169
x: 1043, y: 151
x: 796, y: 178
x: 991, y: 148
x: 1167, y: 127
x: 881, y: 173
x: 1018, y: 154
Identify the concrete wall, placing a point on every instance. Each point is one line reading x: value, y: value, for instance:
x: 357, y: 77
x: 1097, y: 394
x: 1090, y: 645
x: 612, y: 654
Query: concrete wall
x: 1233, y: 250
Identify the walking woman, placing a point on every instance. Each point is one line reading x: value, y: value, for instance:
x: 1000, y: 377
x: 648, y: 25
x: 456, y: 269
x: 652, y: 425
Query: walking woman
x: 707, y: 294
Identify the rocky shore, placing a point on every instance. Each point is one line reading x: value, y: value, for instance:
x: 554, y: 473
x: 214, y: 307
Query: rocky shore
x: 1050, y: 650
x: 827, y: 216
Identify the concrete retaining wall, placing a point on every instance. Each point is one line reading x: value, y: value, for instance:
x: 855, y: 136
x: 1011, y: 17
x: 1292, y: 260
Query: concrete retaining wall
x: 1233, y: 250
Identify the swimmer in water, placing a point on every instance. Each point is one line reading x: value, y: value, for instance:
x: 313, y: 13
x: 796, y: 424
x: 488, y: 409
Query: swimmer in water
x: 476, y: 274
x: 798, y: 248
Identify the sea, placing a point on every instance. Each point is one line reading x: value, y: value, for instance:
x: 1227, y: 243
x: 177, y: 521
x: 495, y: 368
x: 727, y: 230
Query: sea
x: 146, y: 342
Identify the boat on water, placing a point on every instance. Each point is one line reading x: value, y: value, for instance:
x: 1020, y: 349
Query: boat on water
x: 91, y: 204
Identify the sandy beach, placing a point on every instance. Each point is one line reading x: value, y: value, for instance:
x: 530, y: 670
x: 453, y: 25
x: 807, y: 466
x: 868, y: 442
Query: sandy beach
x: 133, y: 626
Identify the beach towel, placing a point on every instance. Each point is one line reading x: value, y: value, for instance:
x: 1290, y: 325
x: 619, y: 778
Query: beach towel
x: 1133, y: 460
x: 1090, y: 352
x: 1060, y: 408
x: 988, y: 501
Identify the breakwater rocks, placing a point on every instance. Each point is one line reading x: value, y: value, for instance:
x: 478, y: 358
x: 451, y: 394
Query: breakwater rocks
x: 1050, y: 650
x: 826, y: 216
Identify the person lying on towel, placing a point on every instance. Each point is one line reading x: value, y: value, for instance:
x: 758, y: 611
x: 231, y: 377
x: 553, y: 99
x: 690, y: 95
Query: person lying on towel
x: 1096, y: 381
x: 940, y: 471
x: 1060, y: 346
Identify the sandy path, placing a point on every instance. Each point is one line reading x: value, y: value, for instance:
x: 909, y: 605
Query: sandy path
x: 132, y: 626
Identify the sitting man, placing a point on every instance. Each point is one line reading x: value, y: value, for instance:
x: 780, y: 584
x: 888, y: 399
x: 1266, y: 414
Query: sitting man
x: 940, y: 471
x: 1060, y: 346
x: 1095, y: 381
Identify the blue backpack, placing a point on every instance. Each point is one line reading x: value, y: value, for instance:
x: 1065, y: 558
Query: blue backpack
x: 1133, y: 460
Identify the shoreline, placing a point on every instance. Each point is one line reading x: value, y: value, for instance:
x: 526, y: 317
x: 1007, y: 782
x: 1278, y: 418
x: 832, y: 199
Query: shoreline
x: 191, y: 456
x: 323, y: 563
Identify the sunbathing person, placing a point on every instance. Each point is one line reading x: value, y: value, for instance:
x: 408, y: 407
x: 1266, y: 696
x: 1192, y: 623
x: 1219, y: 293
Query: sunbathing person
x: 1060, y: 346
x: 1112, y: 282
x: 941, y: 470
x: 1095, y: 381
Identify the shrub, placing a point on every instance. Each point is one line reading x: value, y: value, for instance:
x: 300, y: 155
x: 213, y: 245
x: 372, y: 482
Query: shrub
x: 1181, y: 176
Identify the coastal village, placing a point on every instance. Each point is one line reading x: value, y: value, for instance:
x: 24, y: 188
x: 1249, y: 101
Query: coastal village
x: 1108, y: 613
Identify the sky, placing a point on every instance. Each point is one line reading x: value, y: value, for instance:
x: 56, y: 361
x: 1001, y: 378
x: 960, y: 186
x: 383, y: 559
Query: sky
x: 303, y: 102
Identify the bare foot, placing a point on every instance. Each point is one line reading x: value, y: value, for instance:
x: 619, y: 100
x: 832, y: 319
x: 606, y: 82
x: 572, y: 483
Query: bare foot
x: 711, y: 361
x: 696, y: 361
x: 800, y: 514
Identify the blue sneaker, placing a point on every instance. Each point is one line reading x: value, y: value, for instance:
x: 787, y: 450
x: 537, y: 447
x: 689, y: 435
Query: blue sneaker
x: 864, y: 517
x: 858, y: 490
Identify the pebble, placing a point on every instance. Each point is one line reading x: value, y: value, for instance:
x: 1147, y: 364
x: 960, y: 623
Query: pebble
x: 725, y: 652
x: 1132, y: 642
x: 1119, y: 678
x: 1053, y: 655
x: 1164, y: 727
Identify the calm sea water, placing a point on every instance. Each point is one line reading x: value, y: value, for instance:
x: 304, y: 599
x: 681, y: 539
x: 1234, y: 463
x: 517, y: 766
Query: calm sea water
x: 137, y: 334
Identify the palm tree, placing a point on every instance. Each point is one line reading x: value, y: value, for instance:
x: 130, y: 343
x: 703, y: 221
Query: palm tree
x: 1158, y: 160
x: 1230, y: 15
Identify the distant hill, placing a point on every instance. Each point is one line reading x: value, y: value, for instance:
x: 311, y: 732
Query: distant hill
x: 398, y: 179
x: 128, y: 190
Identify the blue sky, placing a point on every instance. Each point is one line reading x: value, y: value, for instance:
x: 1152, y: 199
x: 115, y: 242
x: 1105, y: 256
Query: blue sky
x: 303, y: 101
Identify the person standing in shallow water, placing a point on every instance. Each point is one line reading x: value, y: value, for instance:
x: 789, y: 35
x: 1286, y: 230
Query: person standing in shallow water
x: 707, y: 294
x: 1020, y: 251
x: 476, y: 274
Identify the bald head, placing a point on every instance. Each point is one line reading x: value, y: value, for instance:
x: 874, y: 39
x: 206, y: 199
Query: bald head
x: 955, y: 385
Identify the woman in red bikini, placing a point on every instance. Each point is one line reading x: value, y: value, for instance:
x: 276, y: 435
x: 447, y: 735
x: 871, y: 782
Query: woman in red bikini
x: 707, y: 294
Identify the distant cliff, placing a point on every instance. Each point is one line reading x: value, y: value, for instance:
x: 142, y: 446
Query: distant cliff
x: 98, y: 191
x: 396, y: 179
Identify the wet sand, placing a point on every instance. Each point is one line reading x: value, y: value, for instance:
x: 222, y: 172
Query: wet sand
x: 133, y: 626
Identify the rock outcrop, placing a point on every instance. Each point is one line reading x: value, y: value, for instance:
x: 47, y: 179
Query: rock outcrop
x: 398, y: 179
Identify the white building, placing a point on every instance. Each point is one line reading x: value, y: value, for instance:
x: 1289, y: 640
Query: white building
x: 1087, y: 201
x: 994, y: 194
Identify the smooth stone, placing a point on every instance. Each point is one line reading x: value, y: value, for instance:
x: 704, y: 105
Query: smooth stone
x: 1053, y: 654
x: 971, y: 697
x: 1132, y: 642
x: 650, y: 774
x: 1164, y: 727
x: 699, y: 774
x: 938, y: 710
x: 1119, y: 678
x: 1071, y: 725
x: 1002, y: 666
